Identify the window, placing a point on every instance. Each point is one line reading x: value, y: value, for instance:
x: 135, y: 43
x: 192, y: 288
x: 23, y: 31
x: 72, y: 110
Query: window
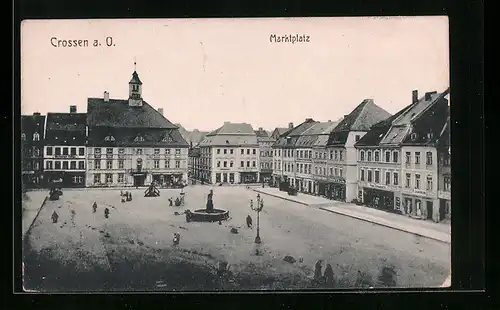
x: 242, y: 151
x: 167, y: 151
x: 377, y: 156
x: 248, y: 151
x: 362, y: 175
x: 48, y: 165
x: 225, y: 151
x: 310, y: 154
x: 156, y: 164
x: 248, y: 163
x: 408, y: 180
x: 231, y: 151
x: 97, y: 164
x: 37, y: 152
x: 139, y: 138
x: 231, y: 164
x: 109, y: 164
x: 341, y: 155
x: 49, y: 151
x: 395, y: 158
x: 138, y: 151
x: 23, y: 136
x: 77, y: 179
x: 336, y: 155
x: 417, y: 158
x: 388, y: 178
x: 97, y: 151
x: 377, y: 176
x: 331, y: 155
x: 254, y: 152
x: 336, y: 171
x: 109, y: 151
x: 242, y: 164
x: 428, y: 160
x: 396, y: 178
x: 429, y: 182
x: 121, y: 177
x: 447, y: 183
x: 253, y: 163
x: 408, y: 157
x: 65, y: 165
x: 340, y: 172
x: 58, y: 151
x: 331, y: 171
x: 301, y: 154
x: 157, y: 151
x: 225, y: 163
x: 357, y: 138
x: 369, y: 156
x: 65, y: 151
x: 167, y: 163
x: 81, y: 165
x: 417, y: 181
x: 97, y: 178
x: 387, y: 157
x: 218, y: 164
x: 57, y: 165
x: 177, y: 164
x: 109, y: 178
x: 72, y: 165
x: 217, y: 177
x: 362, y: 156
x: 177, y: 151
x: 369, y: 175
x: 315, y: 170
x: 81, y: 151
x: 36, y: 136
x: 310, y: 168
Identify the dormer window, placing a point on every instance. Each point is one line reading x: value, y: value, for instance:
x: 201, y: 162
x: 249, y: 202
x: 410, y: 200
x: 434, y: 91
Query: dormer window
x: 36, y: 136
x: 74, y: 138
x: 413, y: 136
x: 167, y: 138
x: 56, y: 138
x: 23, y: 136
x: 139, y: 138
x: 109, y: 138
x: 430, y: 135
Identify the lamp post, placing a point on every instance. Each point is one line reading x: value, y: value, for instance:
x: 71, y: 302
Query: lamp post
x: 257, y: 208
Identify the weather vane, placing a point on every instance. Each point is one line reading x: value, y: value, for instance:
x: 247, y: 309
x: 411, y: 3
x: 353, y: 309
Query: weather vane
x: 135, y: 64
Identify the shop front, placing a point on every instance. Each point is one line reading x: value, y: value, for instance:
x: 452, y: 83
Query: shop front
x: 419, y: 207
x: 64, y: 179
x: 336, y: 189
x: 32, y: 179
x: 249, y: 177
x: 265, y: 177
x: 168, y: 180
x: 321, y: 188
x: 379, y: 199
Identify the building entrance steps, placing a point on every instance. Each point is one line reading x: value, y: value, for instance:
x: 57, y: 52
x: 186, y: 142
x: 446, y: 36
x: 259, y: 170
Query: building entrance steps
x: 437, y: 231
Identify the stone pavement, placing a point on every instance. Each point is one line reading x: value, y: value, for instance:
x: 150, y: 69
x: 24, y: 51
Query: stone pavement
x: 437, y: 231
x: 31, y: 206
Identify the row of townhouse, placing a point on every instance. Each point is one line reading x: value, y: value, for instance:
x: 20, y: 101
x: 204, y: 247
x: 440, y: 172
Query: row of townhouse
x: 116, y: 143
x: 320, y: 158
x: 404, y: 161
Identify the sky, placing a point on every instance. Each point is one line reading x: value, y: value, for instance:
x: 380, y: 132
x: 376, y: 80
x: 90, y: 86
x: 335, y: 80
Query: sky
x: 203, y: 72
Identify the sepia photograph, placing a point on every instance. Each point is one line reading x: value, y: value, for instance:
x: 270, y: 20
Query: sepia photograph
x: 245, y: 154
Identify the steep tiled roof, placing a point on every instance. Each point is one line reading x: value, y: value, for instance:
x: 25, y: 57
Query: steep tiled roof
x: 117, y: 113
x: 261, y: 133
x: 366, y: 114
x: 194, y: 152
x: 290, y: 137
x: 231, y: 134
x: 194, y: 137
x: 233, y: 129
x: 31, y: 124
x: 418, y: 108
x: 311, y: 136
x: 147, y: 137
x: 66, y: 129
x: 135, y: 79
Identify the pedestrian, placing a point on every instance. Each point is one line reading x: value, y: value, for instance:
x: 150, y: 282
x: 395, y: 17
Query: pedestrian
x: 328, y: 275
x: 94, y: 207
x: 317, y: 270
x: 249, y: 221
x: 170, y: 202
x: 106, y: 212
x: 55, y: 217
x: 177, y: 238
x: 130, y: 196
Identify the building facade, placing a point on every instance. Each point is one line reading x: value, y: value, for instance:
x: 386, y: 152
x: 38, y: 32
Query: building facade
x: 397, y: 159
x: 342, y: 155
x: 230, y: 154
x: 132, y: 144
x: 444, y: 172
x: 265, y: 155
x: 32, y: 142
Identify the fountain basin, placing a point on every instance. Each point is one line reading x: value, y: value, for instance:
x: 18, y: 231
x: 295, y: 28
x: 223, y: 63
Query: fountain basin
x: 201, y: 215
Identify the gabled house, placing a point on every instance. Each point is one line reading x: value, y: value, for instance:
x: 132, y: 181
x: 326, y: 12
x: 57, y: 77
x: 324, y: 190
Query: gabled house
x: 342, y: 184
x: 32, y: 142
x: 265, y: 155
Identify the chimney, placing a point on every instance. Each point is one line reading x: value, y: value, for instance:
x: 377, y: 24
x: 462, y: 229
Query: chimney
x: 290, y: 125
x: 36, y: 114
x: 72, y: 109
x: 329, y: 121
x: 428, y: 95
x: 260, y: 129
x: 160, y: 110
x: 414, y: 96
x: 106, y: 96
x: 309, y: 119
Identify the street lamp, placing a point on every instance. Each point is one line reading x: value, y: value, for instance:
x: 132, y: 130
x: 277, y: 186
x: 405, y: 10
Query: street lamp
x: 257, y: 208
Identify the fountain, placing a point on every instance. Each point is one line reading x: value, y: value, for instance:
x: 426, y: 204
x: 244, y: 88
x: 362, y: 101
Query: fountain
x: 209, y: 214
